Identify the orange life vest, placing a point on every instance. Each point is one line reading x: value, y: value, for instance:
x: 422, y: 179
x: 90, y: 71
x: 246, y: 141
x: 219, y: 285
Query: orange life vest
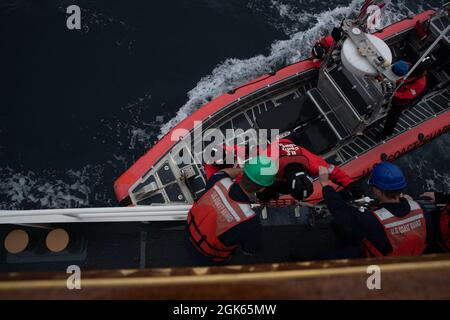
x: 407, y: 235
x: 411, y: 90
x: 214, y: 214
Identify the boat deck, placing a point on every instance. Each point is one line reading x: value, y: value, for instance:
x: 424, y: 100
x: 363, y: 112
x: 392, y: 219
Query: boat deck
x: 432, y: 106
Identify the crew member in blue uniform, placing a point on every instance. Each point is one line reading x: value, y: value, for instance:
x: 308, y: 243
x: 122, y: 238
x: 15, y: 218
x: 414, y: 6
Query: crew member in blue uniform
x: 396, y: 226
x: 406, y: 95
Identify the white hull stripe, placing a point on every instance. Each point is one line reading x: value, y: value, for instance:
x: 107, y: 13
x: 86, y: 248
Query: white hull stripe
x: 402, y: 222
x: 226, y: 203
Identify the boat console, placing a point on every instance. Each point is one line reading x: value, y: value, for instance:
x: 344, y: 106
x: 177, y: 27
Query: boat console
x: 354, y: 83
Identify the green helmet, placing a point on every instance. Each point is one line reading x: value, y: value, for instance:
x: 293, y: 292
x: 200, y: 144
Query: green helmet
x: 261, y: 170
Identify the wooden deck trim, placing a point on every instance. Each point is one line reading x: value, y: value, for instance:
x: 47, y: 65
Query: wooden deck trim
x: 428, y: 277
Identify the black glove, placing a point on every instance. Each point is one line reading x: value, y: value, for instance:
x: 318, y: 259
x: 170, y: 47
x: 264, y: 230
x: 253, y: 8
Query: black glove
x: 353, y: 191
x: 269, y: 193
x: 300, y: 185
x: 318, y: 51
x: 291, y: 169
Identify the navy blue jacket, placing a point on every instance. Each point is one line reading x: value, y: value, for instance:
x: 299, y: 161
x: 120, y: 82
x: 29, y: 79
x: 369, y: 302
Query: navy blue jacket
x: 365, y: 224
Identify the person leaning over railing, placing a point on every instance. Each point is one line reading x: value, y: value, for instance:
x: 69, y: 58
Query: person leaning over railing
x: 296, y: 166
x: 222, y: 219
x: 395, y: 226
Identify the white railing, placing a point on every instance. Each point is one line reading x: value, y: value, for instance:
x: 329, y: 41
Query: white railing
x: 113, y: 214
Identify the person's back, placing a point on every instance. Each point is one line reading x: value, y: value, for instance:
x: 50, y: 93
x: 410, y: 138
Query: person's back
x: 291, y: 151
x: 297, y: 158
x: 411, y: 89
x: 222, y: 219
x: 397, y: 226
x: 404, y: 227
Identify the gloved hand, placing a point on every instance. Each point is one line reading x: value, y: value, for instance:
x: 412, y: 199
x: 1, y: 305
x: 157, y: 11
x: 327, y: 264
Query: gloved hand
x: 353, y: 191
x: 318, y: 51
x: 300, y: 185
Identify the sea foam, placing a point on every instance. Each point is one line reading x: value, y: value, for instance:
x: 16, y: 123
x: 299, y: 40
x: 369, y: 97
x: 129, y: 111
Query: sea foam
x: 234, y: 72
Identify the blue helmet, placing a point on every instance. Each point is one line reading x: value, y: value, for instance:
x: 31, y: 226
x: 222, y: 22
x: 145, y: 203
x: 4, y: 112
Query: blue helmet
x: 388, y: 177
x: 400, y: 68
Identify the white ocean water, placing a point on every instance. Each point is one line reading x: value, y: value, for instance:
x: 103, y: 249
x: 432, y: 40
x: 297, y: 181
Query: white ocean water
x: 28, y: 189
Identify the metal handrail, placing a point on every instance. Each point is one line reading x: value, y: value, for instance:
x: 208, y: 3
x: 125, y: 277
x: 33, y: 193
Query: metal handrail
x: 110, y: 214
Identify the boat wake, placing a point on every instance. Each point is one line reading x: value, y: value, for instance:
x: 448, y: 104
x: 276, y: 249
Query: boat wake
x: 301, y: 22
x: 302, y: 26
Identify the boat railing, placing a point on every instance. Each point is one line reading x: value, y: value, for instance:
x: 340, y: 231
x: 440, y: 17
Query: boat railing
x: 111, y: 214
